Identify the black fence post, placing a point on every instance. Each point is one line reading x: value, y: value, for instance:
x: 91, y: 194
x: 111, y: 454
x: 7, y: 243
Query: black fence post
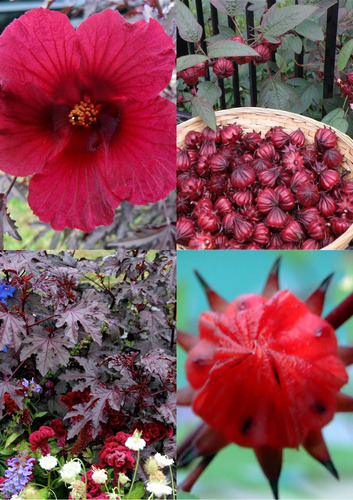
x: 330, y: 51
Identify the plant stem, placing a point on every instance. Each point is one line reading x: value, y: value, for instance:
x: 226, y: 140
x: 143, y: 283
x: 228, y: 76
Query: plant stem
x: 10, y: 187
x: 135, y: 471
x: 172, y: 481
x: 165, y: 211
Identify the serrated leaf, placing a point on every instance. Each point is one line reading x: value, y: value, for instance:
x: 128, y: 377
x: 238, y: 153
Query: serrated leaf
x: 185, y: 62
x: 311, y: 30
x: 230, y: 7
x: 50, y: 351
x: 209, y: 91
x: 278, y: 21
x: 340, y: 123
x: 229, y: 48
x: 189, y: 28
x: 11, y: 387
x: 88, y: 314
x: 322, y: 5
x: 202, y: 108
x: 277, y: 94
x: 11, y: 330
x: 157, y: 362
x: 295, y: 43
x: 344, y: 55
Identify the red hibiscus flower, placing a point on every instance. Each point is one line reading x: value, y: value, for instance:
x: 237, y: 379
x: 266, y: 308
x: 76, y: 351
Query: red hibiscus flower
x: 80, y: 110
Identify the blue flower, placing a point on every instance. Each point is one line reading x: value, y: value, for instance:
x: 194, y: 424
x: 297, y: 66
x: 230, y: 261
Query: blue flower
x: 6, y: 291
x: 17, y: 475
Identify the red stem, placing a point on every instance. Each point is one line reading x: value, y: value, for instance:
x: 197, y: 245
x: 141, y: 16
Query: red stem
x: 341, y: 313
x: 41, y: 320
x: 189, y: 482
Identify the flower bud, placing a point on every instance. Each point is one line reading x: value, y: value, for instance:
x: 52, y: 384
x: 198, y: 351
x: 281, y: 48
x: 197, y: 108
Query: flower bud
x: 268, y: 178
x: 261, y: 234
x: 332, y: 157
x: 208, y: 148
x: 329, y: 179
x: 182, y: 160
x: 299, y: 178
x: 242, y: 229
x: 311, y: 245
x: 293, y: 161
x: 209, y: 134
x: 317, y: 229
x: 202, y: 241
x: 252, y: 141
x: 231, y: 133
x: 264, y: 54
x: 293, y: 232
x: 218, y: 164
x: 240, y: 59
x: 223, y: 68
x: 217, y: 184
x: 297, y: 138
x: 242, y: 177
x: 286, y: 199
x: 278, y: 137
x: 266, y: 151
x: 208, y: 221
x: 223, y: 206
x: 349, y: 78
x: 308, y: 195
x: 193, y: 139
x: 241, y: 198
x: 276, y: 218
x: 325, y: 138
x: 326, y: 205
x: 306, y: 215
x: 340, y: 225
x: 222, y: 242
x: 266, y: 200
x: 185, y: 230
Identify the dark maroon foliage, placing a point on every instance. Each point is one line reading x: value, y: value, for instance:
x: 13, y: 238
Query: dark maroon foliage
x: 98, y: 337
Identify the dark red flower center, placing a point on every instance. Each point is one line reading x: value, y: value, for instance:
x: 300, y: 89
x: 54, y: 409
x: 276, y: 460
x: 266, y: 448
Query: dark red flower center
x: 84, y: 114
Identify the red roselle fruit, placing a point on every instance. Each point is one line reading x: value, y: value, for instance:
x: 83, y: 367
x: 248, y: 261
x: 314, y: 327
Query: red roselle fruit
x: 265, y: 373
x: 185, y: 230
x: 223, y: 68
x: 275, y: 191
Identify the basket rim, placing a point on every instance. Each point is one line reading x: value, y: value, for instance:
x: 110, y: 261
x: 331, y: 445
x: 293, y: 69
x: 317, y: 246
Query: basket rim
x: 266, y: 111
x: 343, y: 240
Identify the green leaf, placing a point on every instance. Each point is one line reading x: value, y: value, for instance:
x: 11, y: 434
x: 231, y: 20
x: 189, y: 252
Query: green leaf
x: 229, y: 48
x: 209, y: 91
x: 202, y: 108
x: 11, y: 439
x: 189, y: 28
x: 226, y: 31
x: 311, y: 30
x: 344, y: 55
x: 278, y: 21
x: 185, y: 62
x: 137, y: 492
x: 230, y: 7
x: 39, y: 414
x: 277, y: 94
x: 336, y: 119
x: 295, y: 43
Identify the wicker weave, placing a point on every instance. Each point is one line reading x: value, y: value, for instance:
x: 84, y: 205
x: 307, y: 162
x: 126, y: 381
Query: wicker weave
x: 261, y: 120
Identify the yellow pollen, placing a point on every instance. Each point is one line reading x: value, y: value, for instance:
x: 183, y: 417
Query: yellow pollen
x: 84, y: 114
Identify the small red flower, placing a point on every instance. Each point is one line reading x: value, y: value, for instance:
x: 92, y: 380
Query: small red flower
x: 39, y: 439
x: 80, y: 110
x: 60, y: 431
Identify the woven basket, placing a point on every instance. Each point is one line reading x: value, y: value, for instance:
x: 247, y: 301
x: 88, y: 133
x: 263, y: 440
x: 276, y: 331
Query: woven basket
x: 261, y: 120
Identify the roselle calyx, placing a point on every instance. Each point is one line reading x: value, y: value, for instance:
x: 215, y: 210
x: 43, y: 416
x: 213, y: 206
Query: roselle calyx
x: 332, y: 157
x: 208, y: 221
x: 230, y: 134
x: 278, y: 137
x: 340, y: 225
x: 326, y: 205
x: 242, y: 176
x: 308, y: 195
x: 242, y: 229
x: 218, y: 164
x: 193, y: 139
x: 317, y: 229
x: 223, y: 68
x: 244, y: 197
x: 182, y: 160
x: 297, y: 138
x: 293, y: 232
x: 329, y: 179
x: 276, y: 218
x: 325, y: 138
x: 310, y: 244
x: 202, y: 241
x: 223, y: 206
x: 261, y: 234
x: 185, y: 230
x: 293, y: 161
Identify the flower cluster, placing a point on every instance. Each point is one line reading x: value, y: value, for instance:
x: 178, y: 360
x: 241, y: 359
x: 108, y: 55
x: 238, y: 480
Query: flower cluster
x: 242, y: 191
x: 157, y: 482
x: 40, y: 439
x: 346, y: 88
x: 17, y: 475
x: 116, y: 454
x: 81, y: 112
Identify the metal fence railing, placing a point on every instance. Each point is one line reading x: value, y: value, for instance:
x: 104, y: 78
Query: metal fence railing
x: 185, y: 48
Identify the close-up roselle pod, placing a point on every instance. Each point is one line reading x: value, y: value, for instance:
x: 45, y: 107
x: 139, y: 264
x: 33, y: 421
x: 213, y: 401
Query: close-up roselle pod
x: 265, y: 372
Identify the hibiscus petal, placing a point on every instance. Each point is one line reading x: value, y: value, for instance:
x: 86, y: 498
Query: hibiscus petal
x: 26, y: 135
x: 40, y: 47
x: 137, y: 59
x: 142, y: 156
x: 72, y: 192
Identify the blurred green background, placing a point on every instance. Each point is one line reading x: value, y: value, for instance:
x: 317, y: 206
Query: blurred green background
x: 235, y: 473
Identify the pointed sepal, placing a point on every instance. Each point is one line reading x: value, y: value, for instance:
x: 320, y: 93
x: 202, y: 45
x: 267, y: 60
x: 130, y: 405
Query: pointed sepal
x: 185, y: 396
x: 272, y: 283
x: 205, y: 442
x: 270, y: 460
x: 191, y: 479
x: 345, y: 353
x: 187, y: 340
x: 341, y: 313
x: 316, y: 447
x: 344, y: 402
x: 316, y: 300
x: 217, y: 303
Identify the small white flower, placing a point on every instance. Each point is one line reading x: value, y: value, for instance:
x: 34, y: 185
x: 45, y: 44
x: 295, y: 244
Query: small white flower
x: 159, y: 489
x: 122, y: 478
x: 163, y: 460
x: 70, y: 471
x: 100, y: 476
x: 135, y: 442
x: 15, y: 497
x: 48, y: 462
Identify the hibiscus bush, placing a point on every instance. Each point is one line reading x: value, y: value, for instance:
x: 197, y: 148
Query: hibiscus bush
x: 87, y: 375
x: 286, y: 37
x: 81, y: 113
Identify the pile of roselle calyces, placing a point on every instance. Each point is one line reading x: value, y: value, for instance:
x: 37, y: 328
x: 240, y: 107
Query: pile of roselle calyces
x: 242, y: 191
